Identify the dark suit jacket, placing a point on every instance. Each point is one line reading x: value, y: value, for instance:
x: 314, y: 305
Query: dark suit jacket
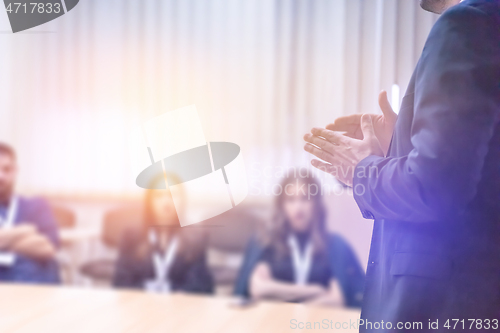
x: 435, y: 251
x: 132, y: 270
x: 342, y: 261
x: 34, y: 211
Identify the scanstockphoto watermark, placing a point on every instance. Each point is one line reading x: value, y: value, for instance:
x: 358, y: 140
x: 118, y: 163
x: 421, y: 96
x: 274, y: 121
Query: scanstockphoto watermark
x: 331, y: 325
x: 265, y: 180
x: 472, y: 324
x: 326, y: 324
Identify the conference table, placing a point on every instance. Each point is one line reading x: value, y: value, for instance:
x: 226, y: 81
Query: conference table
x: 37, y: 309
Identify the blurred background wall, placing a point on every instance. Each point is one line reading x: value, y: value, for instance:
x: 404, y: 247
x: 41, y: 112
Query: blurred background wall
x: 261, y: 72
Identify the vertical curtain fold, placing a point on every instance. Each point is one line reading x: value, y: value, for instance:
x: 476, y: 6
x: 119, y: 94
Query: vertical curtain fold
x: 260, y: 72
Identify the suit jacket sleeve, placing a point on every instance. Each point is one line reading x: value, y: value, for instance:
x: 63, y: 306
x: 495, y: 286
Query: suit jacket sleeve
x: 455, y: 114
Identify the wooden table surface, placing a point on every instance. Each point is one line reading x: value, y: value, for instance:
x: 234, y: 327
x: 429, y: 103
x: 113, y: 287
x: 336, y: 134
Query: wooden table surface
x: 36, y: 309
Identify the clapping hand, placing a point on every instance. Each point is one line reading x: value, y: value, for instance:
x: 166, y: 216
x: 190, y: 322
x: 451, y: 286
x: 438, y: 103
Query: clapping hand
x: 364, y: 135
x: 383, y: 124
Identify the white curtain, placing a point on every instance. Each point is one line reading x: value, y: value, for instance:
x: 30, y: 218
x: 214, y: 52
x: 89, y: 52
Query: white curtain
x: 261, y: 72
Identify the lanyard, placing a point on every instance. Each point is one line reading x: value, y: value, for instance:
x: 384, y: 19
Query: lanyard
x: 163, y: 262
x: 11, y: 215
x: 8, y: 258
x: 301, y: 262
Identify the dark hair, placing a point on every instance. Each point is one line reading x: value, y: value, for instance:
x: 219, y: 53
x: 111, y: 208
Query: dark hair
x: 277, y: 232
x: 7, y: 150
x: 192, y: 240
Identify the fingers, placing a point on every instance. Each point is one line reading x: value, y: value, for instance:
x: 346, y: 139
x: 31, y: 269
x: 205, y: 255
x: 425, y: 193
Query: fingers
x: 370, y: 137
x: 319, y: 153
x: 344, y: 124
x: 383, y: 102
x: 325, y: 155
x: 367, y: 127
x: 319, y: 142
x: 385, y: 106
x: 330, y: 155
x: 330, y: 136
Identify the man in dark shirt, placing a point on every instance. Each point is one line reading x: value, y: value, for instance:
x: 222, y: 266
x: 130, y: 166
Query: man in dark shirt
x: 28, y: 232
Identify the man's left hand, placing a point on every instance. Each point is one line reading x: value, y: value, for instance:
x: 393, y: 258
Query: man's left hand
x: 340, y: 152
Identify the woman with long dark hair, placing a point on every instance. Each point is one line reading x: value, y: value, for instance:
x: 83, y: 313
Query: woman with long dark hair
x: 296, y: 262
x: 160, y: 256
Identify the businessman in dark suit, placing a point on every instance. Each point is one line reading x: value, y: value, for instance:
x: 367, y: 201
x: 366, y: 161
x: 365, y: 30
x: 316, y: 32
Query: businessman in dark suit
x: 434, y: 189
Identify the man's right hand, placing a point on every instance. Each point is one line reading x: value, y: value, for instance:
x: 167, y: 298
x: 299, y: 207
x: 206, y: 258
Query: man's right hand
x: 383, y: 124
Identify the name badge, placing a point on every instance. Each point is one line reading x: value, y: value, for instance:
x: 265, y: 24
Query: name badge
x: 8, y: 259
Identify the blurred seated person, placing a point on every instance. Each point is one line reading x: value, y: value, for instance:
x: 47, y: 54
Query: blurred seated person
x: 160, y: 256
x: 296, y: 259
x: 28, y: 232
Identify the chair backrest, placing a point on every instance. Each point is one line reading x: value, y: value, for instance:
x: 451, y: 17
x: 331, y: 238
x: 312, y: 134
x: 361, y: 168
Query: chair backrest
x: 118, y: 220
x: 231, y: 230
x: 64, y: 217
